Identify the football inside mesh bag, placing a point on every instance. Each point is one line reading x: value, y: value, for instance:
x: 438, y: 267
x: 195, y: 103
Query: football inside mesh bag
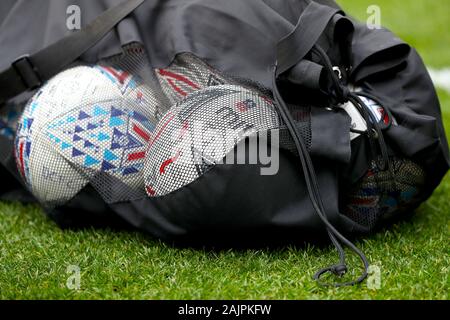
x: 307, y: 125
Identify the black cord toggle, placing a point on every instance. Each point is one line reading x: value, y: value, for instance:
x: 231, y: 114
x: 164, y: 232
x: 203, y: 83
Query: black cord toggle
x: 339, y: 269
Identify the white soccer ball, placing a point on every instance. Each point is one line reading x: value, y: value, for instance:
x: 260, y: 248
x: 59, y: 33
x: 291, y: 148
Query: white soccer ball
x: 85, y: 124
x: 200, y: 131
x: 188, y: 74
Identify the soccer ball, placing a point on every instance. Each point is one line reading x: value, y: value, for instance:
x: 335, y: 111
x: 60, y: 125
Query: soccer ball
x: 200, y: 131
x: 9, y: 117
x: 379, y: 195
x: 187, y: 74
x: 87, y: 124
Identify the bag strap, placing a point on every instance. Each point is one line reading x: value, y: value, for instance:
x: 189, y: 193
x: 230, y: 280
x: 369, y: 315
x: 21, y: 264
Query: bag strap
x: 296, y: 45
x: 29, y: 72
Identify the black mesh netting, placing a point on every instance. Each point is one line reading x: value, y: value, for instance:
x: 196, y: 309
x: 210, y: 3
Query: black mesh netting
x: 116, y: 125
x: 132, y: 131
x: 378, y: 195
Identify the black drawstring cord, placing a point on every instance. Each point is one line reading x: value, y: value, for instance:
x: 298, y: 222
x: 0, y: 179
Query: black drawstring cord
x: 342, y: 94
x: 375, y: 126
x: 381, y: 140
x: 371, y: 132
x: 314, y: 194
x: 338, y: 269
x: 374, y: 132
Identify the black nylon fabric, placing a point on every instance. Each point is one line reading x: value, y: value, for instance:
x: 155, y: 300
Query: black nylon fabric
x: 219, y: 33
x: 216, y: 209
x: 404, y: 86
x: 206, y: 28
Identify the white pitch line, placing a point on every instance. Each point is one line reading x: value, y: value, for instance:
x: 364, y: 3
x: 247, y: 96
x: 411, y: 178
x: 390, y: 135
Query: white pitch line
x: 441, y: 78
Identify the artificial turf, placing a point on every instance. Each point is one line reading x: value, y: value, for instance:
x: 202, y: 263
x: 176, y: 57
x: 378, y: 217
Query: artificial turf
x: 413, y: 256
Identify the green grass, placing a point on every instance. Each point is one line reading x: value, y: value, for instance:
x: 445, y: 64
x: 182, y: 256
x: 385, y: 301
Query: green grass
x: 413, y: 255
x: 422, y: 23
